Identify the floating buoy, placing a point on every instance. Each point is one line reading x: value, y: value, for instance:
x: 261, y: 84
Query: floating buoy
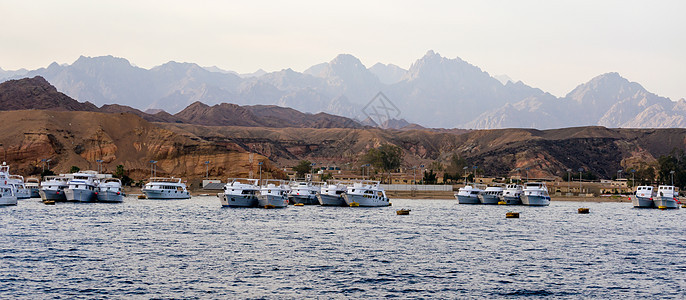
x: 502, y: 203
x: 269, y: 206
x: 299, y: 204
x: 390, y: 204
x: 683, y: 206
x: 403, y: 212
x: 354, y: 204
x: 141, y: 197
x: 662, y: 207
x: 583, y: 210
x: 49, y: 202
x: 512, y: 215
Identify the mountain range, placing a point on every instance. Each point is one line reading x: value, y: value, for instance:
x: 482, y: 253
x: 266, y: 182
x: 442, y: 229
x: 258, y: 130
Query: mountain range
x: 434, y: 92
x: 40, y: 122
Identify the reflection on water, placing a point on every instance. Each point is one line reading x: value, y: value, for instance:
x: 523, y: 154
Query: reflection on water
x: 195, y: 248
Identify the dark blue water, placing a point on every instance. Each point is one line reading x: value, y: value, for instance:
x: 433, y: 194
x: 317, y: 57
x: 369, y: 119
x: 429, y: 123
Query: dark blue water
x: 196, y: 249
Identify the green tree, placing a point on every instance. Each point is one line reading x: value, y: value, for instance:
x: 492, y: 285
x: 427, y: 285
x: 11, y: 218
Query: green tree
x: 429, y: 177
x: 74, y: 169
x: 47, y: 173
x: 302, y: 168
x: 120, y: 173
x: 385, y: 158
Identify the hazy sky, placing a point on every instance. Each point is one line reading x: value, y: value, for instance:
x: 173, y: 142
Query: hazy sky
x: 552, y: 45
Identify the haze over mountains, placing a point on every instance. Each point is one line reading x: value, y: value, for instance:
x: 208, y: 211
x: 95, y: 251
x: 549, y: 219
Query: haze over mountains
x: 434, y: 92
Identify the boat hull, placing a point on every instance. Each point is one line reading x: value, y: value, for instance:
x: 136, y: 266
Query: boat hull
x: 80, y: 195
x: 110, y: 196
x: 535, y: 200
x: 23, y: 194
x: 8, y: 200
x: 272, y: 201
x: 510, y: 200
x: 642, y: 202
x: 304, y: 199
x: 467, y: 200
x: 329, y: 200
x: 52, y: 195
x: 34, y: 192
x: 666, y: 202
x: 488, y: 199
x: 238, y: 201
x: 367, y: 201
x: 166, y: 194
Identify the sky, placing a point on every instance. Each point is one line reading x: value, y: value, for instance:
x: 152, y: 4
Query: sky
x: 551, y: 45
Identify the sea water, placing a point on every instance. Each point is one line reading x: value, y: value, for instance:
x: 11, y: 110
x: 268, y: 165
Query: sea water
x: 197, y: 249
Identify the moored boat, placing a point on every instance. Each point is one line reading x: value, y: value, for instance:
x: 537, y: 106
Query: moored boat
x: 643, y: 197
x: 33, y: 185
x: 666, y: 197
x: 535, y: 194
x: 20, y: 189
x: 512, y: 195
x: 165, y: 188
x: 304, y: 192
x: 491, y: 195
x: 81, y: 187
x: 273, y: 194
x: 110, y: 190
x: 52, y: 188
x: 366, y: 193
x: 7, y: 196
x: 468, y: 194
x: 240, y: 192
x: 332, y: 195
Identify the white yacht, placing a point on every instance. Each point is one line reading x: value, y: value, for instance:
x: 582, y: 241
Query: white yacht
x: 82, y: 187
x: 20, y: 189
x: 666, y: 197
x: 643, y: 197
x: 366, y: 193
x: 491, y: 195
x: 33, y: 185
x: 165, y: 188
x: 535, y: 194
x: 332, y: 194
x: 240, y: 192
x: 304, y: 192
x: 273, y: 194
x: 512, y: 195
x: 7, y: 196
x: 109, y: 190
x: 468, y: 194
x: 52, y: 188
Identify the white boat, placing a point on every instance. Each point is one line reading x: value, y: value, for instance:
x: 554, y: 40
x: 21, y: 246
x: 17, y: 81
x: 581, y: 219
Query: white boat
x: 165, y: 188
x: 240, y: 192
x: 20, y: 189
x: 643, y: 197
x: 273, y: 194
x: 52, y: 188
x: 304, y: 192
x: 81, y: 187
x: 366, y: 193
x: 332, y: 195
x: 512, y: 195
x: 109, y: 190
x: 666, y: 197
x: 535, y: 194
x: 468, y: 194
x: 7, y: 195
x: 491, y: 195
x: 33, y: 185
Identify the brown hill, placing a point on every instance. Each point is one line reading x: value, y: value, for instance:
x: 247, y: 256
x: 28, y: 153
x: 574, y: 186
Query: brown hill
x: 547, y: 153
x: 81, y: 138
x: 160, y: 116
x: 226, y: 114
x: 37, y: 93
